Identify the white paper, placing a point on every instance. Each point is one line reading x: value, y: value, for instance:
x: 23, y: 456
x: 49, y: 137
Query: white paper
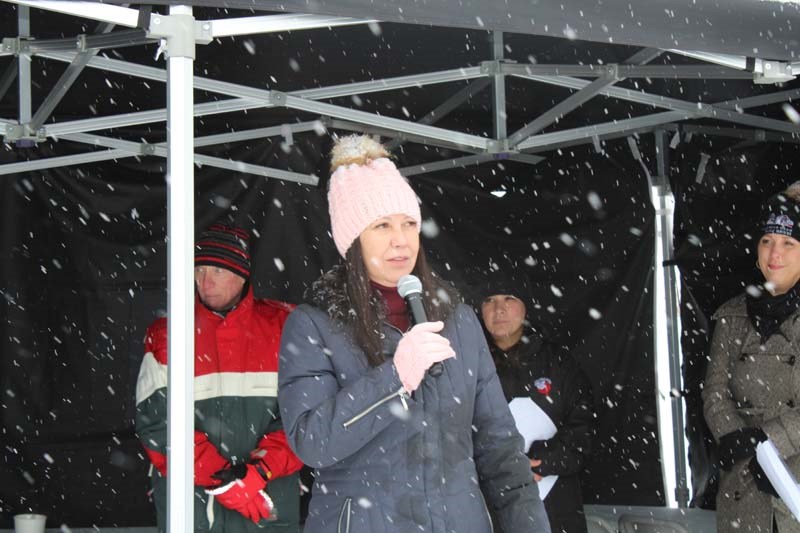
x: 779, y: 475
x: 533, y: 424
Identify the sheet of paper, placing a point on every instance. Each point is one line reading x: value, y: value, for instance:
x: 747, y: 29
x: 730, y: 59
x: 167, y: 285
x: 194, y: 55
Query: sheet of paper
x: 533, y: 424
x: 779, y: 475
x: 545, y: 485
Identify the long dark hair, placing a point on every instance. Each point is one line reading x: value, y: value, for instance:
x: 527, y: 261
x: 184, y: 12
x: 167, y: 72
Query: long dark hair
x: 367, y: 309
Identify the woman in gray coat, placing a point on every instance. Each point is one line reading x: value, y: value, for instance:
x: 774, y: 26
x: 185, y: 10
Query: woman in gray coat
x: 752, y: 387
x: 403, y: 427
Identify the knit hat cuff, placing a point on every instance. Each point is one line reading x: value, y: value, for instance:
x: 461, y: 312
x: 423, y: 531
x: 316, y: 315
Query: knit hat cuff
x: 781, y: 216
x: 224, y: 247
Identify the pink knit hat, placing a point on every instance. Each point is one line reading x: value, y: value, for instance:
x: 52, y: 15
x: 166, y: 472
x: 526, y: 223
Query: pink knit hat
x: 364, y: 187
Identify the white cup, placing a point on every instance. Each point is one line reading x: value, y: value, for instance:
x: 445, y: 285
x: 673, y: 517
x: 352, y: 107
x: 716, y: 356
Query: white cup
x: 29, y: 523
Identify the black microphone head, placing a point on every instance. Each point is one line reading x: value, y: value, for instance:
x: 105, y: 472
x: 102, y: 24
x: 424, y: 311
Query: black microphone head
x: 409, y: 284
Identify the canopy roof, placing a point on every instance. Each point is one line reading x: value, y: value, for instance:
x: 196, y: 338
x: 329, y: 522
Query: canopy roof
x: 663, y: 63
x: 759, y: 28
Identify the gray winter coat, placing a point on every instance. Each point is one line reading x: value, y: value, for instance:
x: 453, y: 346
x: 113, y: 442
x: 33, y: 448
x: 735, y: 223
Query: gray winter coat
x: 753, y: 385
x: 388, y: 462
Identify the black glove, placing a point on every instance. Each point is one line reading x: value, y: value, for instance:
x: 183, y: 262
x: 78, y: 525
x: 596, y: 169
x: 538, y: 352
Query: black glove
x: 231, y: 473
x: 738, y: 445
x: 762, y: 481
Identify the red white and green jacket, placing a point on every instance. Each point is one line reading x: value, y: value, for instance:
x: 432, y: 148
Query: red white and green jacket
x: 236, y: 409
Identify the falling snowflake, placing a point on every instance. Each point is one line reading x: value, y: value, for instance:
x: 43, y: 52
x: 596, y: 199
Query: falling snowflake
x: 430, y: 228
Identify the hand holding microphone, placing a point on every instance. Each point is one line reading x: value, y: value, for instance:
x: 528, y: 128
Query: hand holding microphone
x: 419, y: 350
x: 409, y: 287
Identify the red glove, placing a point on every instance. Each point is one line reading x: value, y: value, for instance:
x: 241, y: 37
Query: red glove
x: 246, y: 495
x: 207, y: 461
x: 274, y: 457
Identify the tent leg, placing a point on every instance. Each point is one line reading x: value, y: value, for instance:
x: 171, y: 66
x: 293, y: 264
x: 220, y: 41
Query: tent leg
x: 24, y: 73
x: 499, y: 89
x: 179, y: 32
x: 668, y: 360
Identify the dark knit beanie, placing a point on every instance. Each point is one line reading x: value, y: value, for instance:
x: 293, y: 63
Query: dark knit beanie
x: 505, y: 279
x: 501, y: 275
x: 781, y: 213
x: 225, y: 247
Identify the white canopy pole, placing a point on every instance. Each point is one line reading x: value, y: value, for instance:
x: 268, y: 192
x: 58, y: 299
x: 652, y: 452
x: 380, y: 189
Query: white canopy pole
x: 668, y: 354
x: 179, y: 30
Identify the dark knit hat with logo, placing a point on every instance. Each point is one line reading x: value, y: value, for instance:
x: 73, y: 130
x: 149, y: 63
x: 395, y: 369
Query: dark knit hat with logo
x: 781, y: 213
x: 226, y: 247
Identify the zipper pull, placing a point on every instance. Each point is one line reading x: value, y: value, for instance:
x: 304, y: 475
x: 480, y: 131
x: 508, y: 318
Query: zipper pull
x: 402, y: 392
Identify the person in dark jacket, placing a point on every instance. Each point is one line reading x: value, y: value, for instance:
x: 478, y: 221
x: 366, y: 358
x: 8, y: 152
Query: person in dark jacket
x: 529, y: 366
x: 244, y: 471
x: 394, y: 448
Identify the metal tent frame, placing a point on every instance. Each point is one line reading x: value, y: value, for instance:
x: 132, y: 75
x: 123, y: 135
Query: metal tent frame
x: 179, y: 33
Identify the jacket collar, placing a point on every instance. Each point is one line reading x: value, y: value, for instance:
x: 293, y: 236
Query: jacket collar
x: 240, y: 311
x: 787, y: 336
x: 530, y: 343
x: 328, y: 294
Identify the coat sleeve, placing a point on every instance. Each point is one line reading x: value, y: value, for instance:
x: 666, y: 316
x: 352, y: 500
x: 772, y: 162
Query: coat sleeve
x: 503, y: 470
x: 324, y: 422
x: 719, y: 407
x: 784, y: 431
x: 566, y: 452
x: 151, y: 412
x: 273, y: 450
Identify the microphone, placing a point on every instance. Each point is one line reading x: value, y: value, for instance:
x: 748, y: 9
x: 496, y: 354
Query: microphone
x: 409, y: 287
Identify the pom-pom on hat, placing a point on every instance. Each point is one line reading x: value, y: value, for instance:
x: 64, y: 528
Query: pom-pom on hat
x: 781, y: 213
x: 226, y: 247
x: 365, y: 185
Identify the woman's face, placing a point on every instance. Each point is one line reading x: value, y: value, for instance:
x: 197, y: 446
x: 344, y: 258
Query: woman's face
x: 779, y: 261
x: 503, y: 315
x: 390, y: 246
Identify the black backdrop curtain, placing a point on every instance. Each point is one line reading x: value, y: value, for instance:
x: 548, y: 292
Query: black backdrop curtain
x: 84, y: 263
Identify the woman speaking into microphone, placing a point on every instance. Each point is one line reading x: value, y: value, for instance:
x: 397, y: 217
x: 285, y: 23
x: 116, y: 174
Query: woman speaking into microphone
x: 394, y: 448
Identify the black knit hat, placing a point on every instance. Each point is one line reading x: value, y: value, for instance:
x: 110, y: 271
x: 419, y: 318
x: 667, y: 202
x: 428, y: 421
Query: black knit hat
x: 225, y: 247
x: 506, y: 279
x: 501, y: 276
x: 781, y: 213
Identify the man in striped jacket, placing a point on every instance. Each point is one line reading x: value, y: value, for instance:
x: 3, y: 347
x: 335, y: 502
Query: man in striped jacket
x: 245, y: 474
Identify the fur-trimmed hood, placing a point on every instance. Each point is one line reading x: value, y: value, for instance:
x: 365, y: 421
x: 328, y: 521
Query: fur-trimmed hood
x: 328, y: 294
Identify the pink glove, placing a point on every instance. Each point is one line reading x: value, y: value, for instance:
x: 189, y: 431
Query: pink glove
x: 418, y: 350
x: 246, y: 495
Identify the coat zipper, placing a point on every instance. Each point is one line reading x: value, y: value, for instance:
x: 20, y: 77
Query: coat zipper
x: 345, y: 512
x: 401, y: 393
x: 488, y: 514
